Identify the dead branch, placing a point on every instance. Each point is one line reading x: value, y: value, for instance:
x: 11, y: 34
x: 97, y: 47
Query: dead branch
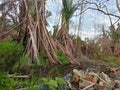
x: 89, y: 86
x: 20, y: 76
x: 92, y: 73
x: 117, y: 5
x: 98, y: 9
x: 104, y: 12
x: 12, y: 28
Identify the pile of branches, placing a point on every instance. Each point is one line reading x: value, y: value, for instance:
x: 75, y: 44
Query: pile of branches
x: 89, y: 80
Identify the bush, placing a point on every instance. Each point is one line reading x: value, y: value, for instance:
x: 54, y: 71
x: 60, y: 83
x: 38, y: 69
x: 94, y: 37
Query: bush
x: 10, y: 52
x: 42, y: 60
x: 53, y: 84
x: 7, y: 83
x: 22, y: 64
x: 62, y: 58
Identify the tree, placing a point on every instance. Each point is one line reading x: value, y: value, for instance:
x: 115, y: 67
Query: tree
x: 31, y: 28
x: 36, y: 34
x: 62, y: 35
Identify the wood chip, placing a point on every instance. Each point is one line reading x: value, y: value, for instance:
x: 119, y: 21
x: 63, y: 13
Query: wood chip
x: 101, y: 83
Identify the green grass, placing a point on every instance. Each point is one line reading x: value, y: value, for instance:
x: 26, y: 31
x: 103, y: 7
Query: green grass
x: 35, y: 83
x: 108, y: 58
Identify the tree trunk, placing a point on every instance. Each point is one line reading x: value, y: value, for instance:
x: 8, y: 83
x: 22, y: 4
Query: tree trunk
x: 64, y: 41
x: 37, y: 36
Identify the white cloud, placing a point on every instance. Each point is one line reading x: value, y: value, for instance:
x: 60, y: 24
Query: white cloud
x: 91, y: 34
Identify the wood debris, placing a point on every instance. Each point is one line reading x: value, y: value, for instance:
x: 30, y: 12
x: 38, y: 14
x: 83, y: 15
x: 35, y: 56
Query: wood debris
x: 83, y: 80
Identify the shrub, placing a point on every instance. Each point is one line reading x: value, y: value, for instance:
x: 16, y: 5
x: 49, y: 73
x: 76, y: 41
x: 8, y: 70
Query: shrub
x: 10, y: 52
x: 22, y: 64
x: 53, y: 84
x: 62, y: 58
x: 42, y: 59
x: 7, y: 83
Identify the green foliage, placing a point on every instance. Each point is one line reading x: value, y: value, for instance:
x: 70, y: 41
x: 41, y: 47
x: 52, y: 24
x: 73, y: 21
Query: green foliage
x: 61, y: 83
x: 54, y: 84
x: 43, y: 62
x: 13, y: 84
x: 54, y: 72
x: 7, y: 83
x: 10, y: 51
x: 62, y: 58
x: 60, y: 52
x: 108, y: 58
x: 68, y: 9
x: 22, y: 64
x: 10, y: 48
x: 33, y: 84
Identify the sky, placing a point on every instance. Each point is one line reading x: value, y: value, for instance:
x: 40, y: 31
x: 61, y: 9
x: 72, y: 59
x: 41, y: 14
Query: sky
x: 92, y: 21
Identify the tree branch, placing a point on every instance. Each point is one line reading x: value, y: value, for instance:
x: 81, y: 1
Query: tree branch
x: 117, y: 5
x: 117, y: 16
x: 98, y: 9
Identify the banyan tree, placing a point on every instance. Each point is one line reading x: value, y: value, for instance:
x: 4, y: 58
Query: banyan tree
x: 34, y: 33
x: 28, y: 24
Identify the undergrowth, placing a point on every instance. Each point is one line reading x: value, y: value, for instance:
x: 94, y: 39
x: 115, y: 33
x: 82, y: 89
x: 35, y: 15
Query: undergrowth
x: 35, y: 83
x: 108, y: 58
x: 62, y: 58
x: 10, y: 52
x: 53, y: 84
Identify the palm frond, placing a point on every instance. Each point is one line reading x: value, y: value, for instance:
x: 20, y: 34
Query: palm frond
x: 68, y: 9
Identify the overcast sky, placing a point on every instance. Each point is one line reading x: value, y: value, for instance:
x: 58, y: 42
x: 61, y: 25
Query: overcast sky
x: 91, y: 23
